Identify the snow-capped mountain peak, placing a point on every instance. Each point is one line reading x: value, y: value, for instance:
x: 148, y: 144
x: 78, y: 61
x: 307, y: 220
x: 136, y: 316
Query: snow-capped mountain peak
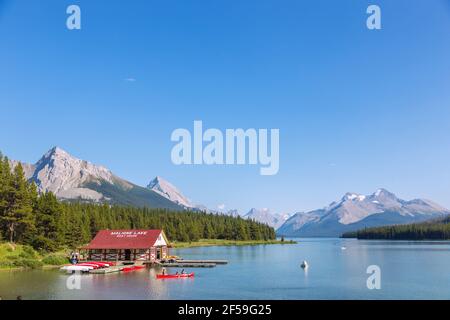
x: 169, y: 191
x: 353, y: 196
x: 254, y: 211
x: 356, y: 211
x: 383, y: 193
x: 233, y: 213
x: 265, y: 216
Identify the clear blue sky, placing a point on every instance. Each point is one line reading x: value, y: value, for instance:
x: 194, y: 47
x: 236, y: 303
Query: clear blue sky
x: 356, y: 109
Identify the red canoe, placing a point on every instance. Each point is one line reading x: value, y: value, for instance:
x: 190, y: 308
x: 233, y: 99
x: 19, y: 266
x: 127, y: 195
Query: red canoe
x: 175, y: 276
x: 132, y: 268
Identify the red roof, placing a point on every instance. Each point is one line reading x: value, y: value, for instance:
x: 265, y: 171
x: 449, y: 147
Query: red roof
x: 125, y: 239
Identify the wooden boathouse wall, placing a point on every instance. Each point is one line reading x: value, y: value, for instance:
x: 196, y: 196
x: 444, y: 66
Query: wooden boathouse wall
x: 128, y: 245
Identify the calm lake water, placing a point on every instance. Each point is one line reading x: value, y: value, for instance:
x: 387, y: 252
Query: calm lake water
x: 410, y: 270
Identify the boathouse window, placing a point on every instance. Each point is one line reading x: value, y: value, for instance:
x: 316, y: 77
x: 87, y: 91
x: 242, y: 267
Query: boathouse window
x: 111, y: 251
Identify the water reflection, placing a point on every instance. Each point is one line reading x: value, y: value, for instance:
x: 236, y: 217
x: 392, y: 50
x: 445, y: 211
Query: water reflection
x: 265, y: 272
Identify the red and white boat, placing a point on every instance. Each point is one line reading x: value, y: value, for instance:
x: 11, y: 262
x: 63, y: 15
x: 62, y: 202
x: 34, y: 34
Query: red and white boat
x: 87, y: 266
x: 175, y: 276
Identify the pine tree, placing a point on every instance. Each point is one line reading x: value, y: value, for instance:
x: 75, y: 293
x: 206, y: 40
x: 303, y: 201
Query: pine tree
x: 3, y: 203
x: 48, y: 210
x: 18, y: 214
x: 43, y: 221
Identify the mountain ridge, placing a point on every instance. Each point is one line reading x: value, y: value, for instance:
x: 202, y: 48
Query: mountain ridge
x: 73, y: 179
x: 266, y: 216
x: 355, y: 211
x: 169, y: 191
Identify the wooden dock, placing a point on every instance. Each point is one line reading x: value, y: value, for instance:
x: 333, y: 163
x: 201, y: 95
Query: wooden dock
x: 187, y: 265
x: 203, y: 261
x: 192, y: 263
x: 113, y: 269
x: 166, y: 264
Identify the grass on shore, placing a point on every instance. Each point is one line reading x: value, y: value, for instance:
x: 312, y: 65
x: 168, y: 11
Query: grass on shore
x: 219, y: 242
x: 18, y: 257
x: 14, y: 256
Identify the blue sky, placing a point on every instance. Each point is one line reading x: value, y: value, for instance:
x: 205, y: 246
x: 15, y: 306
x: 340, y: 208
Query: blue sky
x: 357, y: 109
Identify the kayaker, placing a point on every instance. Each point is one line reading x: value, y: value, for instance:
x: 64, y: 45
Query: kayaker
x: 164, y: 271
x: 183, y: 272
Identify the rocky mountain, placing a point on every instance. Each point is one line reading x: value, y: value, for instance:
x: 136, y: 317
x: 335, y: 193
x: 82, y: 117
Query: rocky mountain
x: 73, y: 179
x: 169, y: 191
x: 233, y: 213
x: 173, y: 194
x: 355, y: 211
x: 70, y: 179
x: 265, y: 216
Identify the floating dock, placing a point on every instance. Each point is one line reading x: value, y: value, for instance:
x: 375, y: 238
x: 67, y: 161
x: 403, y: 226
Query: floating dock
x: 113, y: 269
x: 180, y: 263
x: 187, y: 265
x: 203, y: 261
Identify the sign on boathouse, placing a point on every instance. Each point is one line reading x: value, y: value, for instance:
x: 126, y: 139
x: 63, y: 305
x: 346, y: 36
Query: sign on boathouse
x: 128, y: 245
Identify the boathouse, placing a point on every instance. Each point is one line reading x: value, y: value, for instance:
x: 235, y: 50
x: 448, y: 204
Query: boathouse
x: 128, y: 245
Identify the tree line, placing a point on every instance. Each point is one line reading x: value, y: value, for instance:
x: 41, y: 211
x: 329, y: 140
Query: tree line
x: 45, y: 223
x: 432, y: 230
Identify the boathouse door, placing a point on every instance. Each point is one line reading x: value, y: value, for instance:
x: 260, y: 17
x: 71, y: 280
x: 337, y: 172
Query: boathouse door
x: 158, y: 253
x: 127, y: 255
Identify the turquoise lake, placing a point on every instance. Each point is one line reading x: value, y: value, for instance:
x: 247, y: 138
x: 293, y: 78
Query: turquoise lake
x: 338, y: 270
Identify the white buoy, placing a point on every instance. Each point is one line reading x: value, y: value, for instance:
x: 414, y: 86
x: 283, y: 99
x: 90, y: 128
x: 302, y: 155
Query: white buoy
x: 305, y: 265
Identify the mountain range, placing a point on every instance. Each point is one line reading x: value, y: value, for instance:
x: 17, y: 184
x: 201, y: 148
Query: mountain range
x: 170, y: 192
x: 73, y: 179
x: 264, y: 215
x: 355, y: 211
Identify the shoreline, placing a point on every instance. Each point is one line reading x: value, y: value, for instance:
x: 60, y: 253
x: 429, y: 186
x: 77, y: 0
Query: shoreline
x: 17, y: 257
x: 16, y: 269
x: 227, y: 243
x: 176, y: 245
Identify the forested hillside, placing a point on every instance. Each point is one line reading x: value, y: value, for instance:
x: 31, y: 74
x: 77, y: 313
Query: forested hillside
x: 42, y: 221
x: 432, y: 230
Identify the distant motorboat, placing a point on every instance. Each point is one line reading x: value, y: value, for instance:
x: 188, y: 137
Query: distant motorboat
x: 343, y: 248
x: 304, y: 265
